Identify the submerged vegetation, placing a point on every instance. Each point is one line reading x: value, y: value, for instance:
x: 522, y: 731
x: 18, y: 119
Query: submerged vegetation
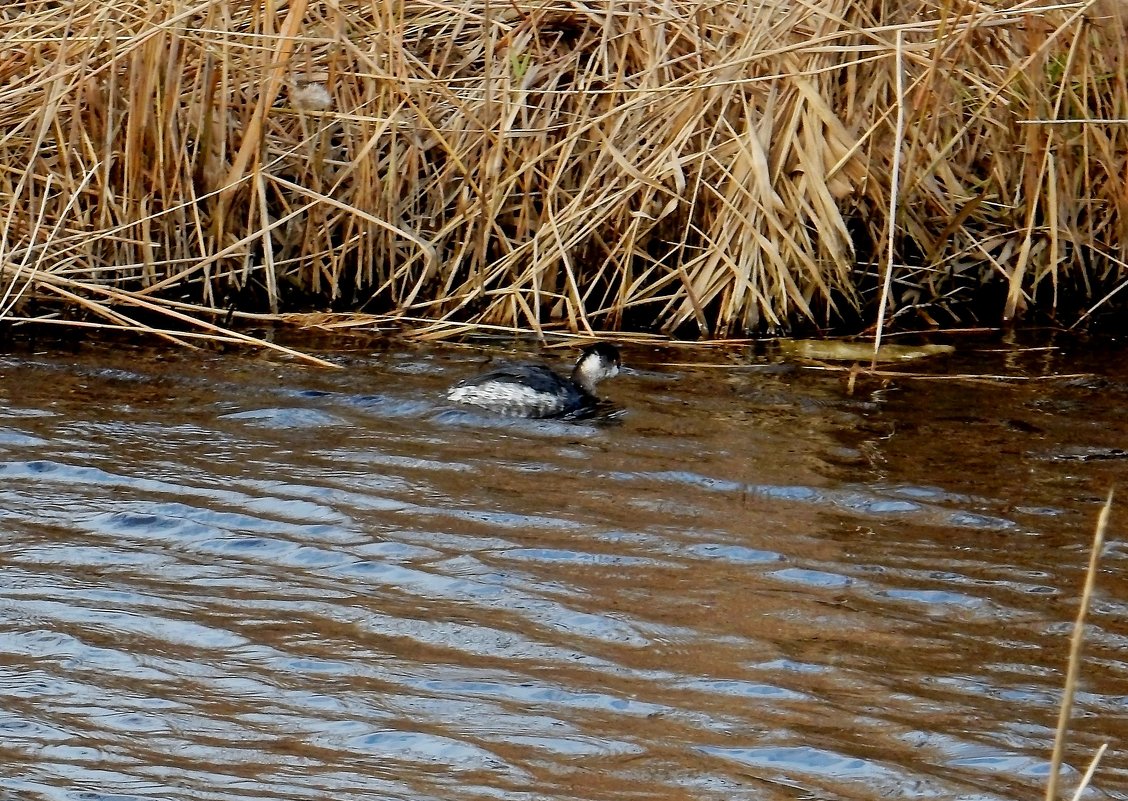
x: 710, y: 168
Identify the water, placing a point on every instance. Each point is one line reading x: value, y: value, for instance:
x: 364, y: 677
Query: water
x: 229, y: 577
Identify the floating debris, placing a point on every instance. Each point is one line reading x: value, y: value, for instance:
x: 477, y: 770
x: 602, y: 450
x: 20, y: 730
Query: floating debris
x: 828, y: 350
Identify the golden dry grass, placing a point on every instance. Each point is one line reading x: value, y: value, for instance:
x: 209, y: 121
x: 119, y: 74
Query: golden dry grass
x: 567, y: 165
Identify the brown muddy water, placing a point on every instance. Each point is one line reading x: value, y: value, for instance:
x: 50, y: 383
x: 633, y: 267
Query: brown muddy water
x: 226, y: 577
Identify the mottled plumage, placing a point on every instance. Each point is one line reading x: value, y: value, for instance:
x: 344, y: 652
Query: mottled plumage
x: 534, y: 390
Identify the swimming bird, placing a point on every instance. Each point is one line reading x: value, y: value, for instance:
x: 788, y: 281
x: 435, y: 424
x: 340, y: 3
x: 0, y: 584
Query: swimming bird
x: 534, y: 390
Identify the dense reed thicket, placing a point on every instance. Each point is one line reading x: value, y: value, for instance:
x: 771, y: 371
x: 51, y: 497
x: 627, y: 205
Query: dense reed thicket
x: 711, y: 165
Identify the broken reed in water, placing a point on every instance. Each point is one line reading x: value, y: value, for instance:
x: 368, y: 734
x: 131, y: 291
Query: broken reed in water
x: 721, y: 167
x: 1073, y: 669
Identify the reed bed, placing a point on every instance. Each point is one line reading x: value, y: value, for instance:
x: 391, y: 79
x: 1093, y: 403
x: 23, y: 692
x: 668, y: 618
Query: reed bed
x: 708, y: 167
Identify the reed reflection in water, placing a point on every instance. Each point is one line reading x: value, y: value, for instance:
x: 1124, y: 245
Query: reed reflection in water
x: 226, y: 578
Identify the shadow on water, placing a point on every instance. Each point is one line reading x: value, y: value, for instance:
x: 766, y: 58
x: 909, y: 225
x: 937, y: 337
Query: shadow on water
x: 226, y: 578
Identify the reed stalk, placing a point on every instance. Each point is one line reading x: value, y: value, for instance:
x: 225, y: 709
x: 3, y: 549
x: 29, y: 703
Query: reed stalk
x: 1073, y: 670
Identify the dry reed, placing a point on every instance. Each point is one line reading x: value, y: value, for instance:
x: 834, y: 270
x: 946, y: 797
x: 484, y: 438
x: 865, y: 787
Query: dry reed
x: 1073, y: 670
x: 569, y: 166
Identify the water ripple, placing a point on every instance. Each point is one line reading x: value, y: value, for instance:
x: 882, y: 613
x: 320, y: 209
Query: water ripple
x: 218, y: 585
